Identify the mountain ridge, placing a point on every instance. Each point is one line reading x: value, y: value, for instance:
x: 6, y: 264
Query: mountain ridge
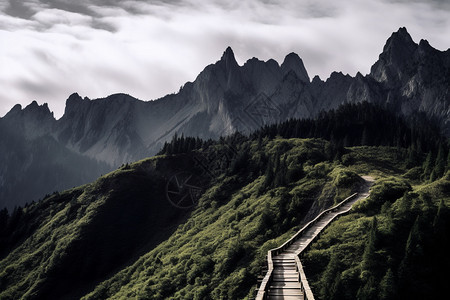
x: 408, y: 78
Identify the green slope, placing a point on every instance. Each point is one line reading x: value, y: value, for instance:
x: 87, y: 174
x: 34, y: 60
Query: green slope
x: 394, y: 245
x: 219, y: 251
x: 70, y: 241
x: 61, y: 246
x: 120, y: 238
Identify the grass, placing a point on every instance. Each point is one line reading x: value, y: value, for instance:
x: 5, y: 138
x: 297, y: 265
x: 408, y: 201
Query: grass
x: 119, y: 237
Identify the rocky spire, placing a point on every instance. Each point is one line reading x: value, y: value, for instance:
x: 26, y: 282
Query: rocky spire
x: 73, y: 104
x: 229, y: 59
x: 400, y: 44
x: 293, y: 62
x: 397, y: 53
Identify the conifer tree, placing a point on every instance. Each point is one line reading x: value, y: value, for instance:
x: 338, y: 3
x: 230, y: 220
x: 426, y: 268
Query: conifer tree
x: 328, y: 278
x: 369, y: 260
x: 387, y: 286
x: 269, y: 175
x: 280, y: 173
x: 369, y: 290
x: 413, y: 249
x: 412, y: 157
x: 428, y: 166
x: 439, y: 166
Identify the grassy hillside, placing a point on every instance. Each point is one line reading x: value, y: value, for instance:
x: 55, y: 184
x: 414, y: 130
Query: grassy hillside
x: 63, y: 246
x: 219, y: 251
x: 120, y: 237
x: 394, y: 245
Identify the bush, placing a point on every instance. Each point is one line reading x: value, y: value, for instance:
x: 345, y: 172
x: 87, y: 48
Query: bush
x: 386, y: 189
x: 345, y: 178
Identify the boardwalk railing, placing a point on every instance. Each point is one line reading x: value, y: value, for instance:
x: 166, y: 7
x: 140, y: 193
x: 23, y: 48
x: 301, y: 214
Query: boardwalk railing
x: 265, y: 284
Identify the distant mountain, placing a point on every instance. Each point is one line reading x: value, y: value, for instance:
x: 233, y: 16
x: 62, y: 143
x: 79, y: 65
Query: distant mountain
x: 408, y: 78
x: 33, y: 162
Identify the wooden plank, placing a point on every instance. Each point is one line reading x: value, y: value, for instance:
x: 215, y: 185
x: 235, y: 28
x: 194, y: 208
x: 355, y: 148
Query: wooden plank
x: 285, y: 292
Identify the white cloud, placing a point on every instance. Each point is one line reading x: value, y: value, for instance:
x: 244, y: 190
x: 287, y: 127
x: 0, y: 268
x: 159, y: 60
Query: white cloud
x: 55, y: 17
x: 151, y: 49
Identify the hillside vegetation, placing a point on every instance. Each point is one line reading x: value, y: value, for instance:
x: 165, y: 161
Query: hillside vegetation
x: 120, y: 238
x: 71, y: 240
x: 394, y: 245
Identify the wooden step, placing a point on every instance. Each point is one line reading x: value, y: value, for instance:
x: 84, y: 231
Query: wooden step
x: 285, y: 297
x: 285, y: 285
x: 285, y: 292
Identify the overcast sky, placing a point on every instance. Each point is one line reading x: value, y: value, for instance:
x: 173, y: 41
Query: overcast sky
x: 52, y: 48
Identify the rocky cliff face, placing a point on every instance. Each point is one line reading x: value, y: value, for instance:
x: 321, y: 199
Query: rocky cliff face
x: 414, y: 78
x: 407, y: 78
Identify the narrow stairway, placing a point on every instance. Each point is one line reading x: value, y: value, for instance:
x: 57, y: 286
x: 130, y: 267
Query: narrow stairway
x: 285, y: 283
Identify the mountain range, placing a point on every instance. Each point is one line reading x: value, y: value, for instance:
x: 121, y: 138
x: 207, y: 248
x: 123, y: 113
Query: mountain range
x: 95, y: 136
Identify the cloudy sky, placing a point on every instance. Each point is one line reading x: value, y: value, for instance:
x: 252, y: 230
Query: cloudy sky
x: 51, y: 48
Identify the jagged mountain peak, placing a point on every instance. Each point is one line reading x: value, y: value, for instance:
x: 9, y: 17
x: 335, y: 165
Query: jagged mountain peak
x: 31, y: 122
x: 425, y: 47
x: 396, y: 59
x: 293, y: 62
x: 228, y: 58
x: 14, y: 111
x: 337, y: 76
x: 424, y: 43
x: 401, y: 34
x: 74, y: 96
x: 400, y: 45
x: 73, y: 104
x: 37, y: 110
x: 359, y: 75
x: 225, y: 73
x: 74, y: 99
x: 316, y: 79
x: 32, y: 105
x: 31, y: 111
x: 228, y: 53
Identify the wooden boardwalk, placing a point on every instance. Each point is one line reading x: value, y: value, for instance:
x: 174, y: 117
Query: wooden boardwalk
x: 286, y: 279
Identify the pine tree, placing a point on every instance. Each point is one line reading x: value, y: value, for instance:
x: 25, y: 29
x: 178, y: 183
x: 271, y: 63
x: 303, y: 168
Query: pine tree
x: 439, y: 166
x: 328, y: 278
x: 428, y: 166
x: 438, y: 219
x: 269, y: 175
x: 411, y: 160
x: 368, y: 260
x: 368, y: 291
x: 280, y: 173
x: 337, y: 289
x: 403, y: 205
x: 413, y: 250
x: 388, y: 288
